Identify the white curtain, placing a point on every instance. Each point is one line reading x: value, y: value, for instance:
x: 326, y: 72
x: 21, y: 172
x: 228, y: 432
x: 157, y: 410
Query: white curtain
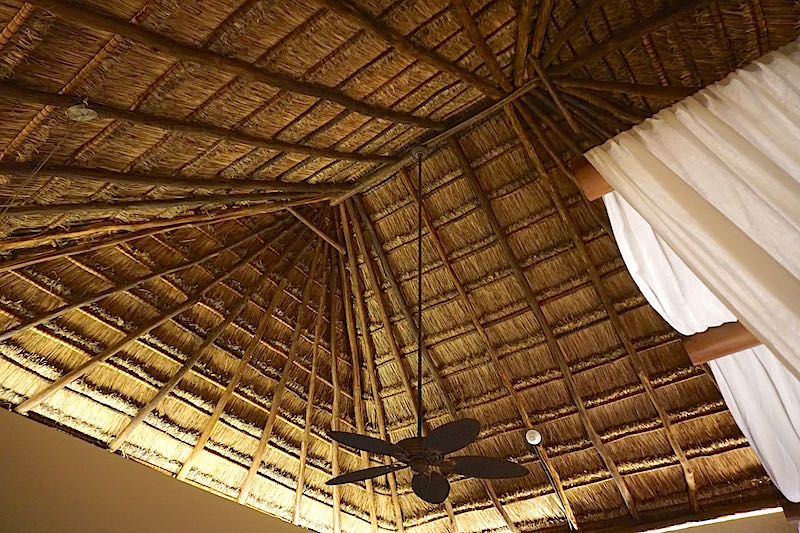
x: 762, y: 395
x: 717, y: 177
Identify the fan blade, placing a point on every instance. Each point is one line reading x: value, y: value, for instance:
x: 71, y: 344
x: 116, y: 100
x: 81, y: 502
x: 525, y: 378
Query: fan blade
x: 433, y: 487
x: 367, y: 444
x: 366, y: 473
x: 486, y: 467
x: 453, y: 436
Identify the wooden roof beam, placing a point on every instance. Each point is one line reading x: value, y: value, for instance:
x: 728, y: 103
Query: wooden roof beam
x: 476, y: 321
x: 542, y: 74
x: 336, y: 404
x: 368, y: 350
x: 542, y: 22
x: 605, y: 298
x: 233, y: 382
x: 638, y: 89
x: 667, y: 16
x: 125, y: 287
x: 112, y: 350
x: 568, y: 30
x: 102, y: 22
x: 16, y: 92
x: 23, y: 170
x: 301, y: 469
x: 356, y: 14
x: 165, y: 203
x: 364, y: 321
x: 277, y: 395
x: 524, y: 19
x: 313, y: 227
x: 552, y: 342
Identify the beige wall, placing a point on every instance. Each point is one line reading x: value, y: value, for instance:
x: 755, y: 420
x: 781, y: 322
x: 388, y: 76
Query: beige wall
x: 54, y: 482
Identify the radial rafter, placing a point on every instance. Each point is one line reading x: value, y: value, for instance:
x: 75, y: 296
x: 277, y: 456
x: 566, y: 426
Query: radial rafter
x: 102, y: 22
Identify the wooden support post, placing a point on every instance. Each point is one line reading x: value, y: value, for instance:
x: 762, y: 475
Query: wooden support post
x: 109, y: 352
x: 99, y: 21
x: 791, y: 510
x: 313, y: 227
x: 590, y: 181
x: 277, y: 395
x: 301, y: 470
x: 263, y: 323
x: 552, y: 342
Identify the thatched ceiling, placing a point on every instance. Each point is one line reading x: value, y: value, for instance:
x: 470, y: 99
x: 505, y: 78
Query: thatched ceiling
x: 159, y: 296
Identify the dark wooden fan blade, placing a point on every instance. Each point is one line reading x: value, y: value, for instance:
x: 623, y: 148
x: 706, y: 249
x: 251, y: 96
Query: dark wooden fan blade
x: 361, y: 475
x: 453, y: 436
x: 486, y: 467
x: 433, y: 487
x: 368, y: 444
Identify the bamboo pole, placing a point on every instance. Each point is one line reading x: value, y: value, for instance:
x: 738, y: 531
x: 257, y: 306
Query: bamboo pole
x: 301, y: 469
x: 263, y: 323
x: 102, y: 22
x: 34, y: 96
x: 109, y: 352
x: 266, y: 434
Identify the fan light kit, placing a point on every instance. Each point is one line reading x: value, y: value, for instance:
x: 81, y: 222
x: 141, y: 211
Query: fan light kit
x: 427, y: 456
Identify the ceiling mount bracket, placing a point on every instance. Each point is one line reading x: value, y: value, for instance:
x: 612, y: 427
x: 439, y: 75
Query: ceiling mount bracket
x: 419, y: 152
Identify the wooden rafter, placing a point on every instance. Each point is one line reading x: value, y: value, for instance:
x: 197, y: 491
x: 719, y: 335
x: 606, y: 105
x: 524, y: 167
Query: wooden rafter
x: 109, y: 352
x: 372, y: 276
x: 173, y: 381
x: 368, y: 349
x: 263, y: 324
x: 104, y: 111
x: 536, y: 309
x: 23, y: 170
x: 639, y: 89
x: 166, y: 203
x: 102, y: 22
x: 125, y: 287
x: 361, y: 309
x: 301, y: 468
x: 349, y: 10
x: 358, y: 395
x: 629, y: 117
x: 277, y: 395
x: 616, y: 323
x: 466, y: 300
x: 524, y: 19
x: 337, y: 401
x: 568, y: 30
x: 430, y: 365
x: 632, y: 33
x: 542, y: 74
x: 313, y: 227
x: 542, y: 22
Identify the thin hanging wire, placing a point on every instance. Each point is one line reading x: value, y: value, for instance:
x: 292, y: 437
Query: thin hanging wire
x: 419, y: 295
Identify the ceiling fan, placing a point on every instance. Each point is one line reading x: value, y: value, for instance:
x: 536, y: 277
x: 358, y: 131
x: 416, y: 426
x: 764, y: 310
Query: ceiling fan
x: 427, y: 456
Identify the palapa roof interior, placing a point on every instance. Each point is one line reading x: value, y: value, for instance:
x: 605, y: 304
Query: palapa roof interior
x: 130, y: 295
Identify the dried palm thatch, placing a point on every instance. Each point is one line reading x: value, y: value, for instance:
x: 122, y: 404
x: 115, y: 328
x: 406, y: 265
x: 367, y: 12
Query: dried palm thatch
x: 221, y: 267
